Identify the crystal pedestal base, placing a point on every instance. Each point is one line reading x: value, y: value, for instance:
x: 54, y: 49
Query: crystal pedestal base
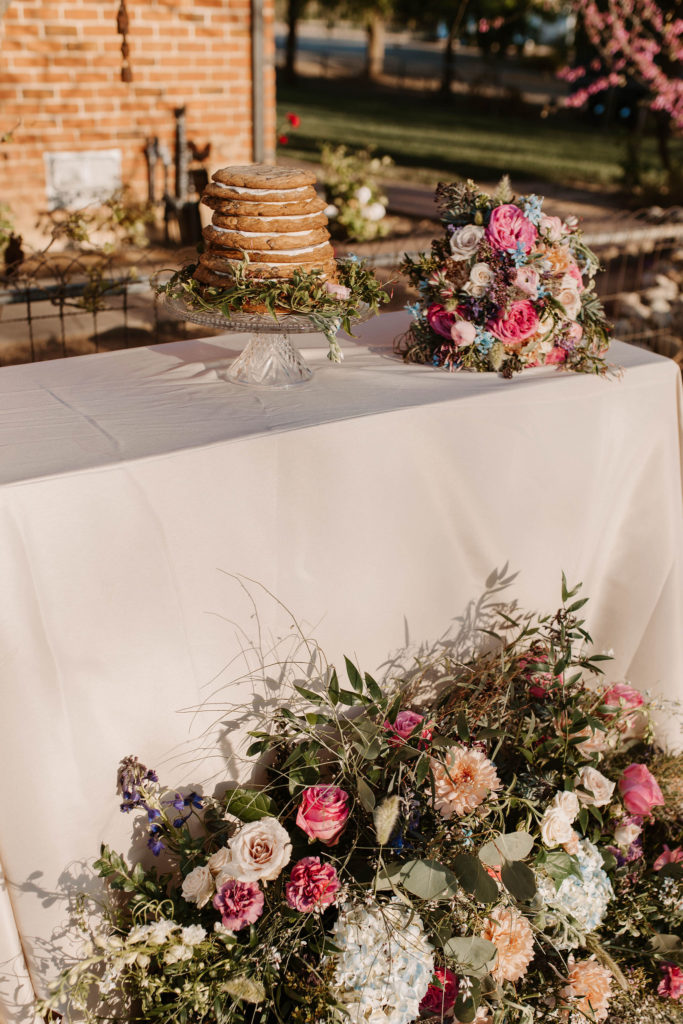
x: 269, y: 360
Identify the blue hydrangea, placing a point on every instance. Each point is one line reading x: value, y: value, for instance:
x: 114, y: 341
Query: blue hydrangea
x: 484, y: 340
x: 585, y: 899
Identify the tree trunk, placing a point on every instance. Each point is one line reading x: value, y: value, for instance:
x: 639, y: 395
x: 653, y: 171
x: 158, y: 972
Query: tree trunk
x: 293, y: 12
x: 448, y: 69
x: 375, y: 53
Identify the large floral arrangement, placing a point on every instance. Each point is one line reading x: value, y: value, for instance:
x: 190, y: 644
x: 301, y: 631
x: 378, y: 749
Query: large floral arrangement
x: 489, y: 840
x: 506, y: 288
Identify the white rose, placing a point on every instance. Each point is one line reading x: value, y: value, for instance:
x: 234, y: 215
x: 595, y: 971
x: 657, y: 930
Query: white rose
x: 363, y: 195
x: 259, y: 851
x: 567, y: 803
x: 217, y: 861
x: 626, y: 833
x: 375, y: 211
x: 481, y: 275
x: 465, y: 241
x: 556, y: 828
x: 599, y: 788
x: 198, y: 886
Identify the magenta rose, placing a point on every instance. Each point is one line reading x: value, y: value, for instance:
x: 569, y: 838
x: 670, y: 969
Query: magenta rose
x: 239, y: 903
x: 508, y: 228
x: 323, y: 812
x: 622, y: 696
x: 671, y: 985
x: 311, y: 885
x: 406, y: 722
x: 440, y: 997
x: 668, y: 856
x: 639, y: 790
x: 519, y: 324
x: 440, y: 320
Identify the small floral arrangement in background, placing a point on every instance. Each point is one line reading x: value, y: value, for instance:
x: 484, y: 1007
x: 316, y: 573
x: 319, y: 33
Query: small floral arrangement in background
x: 356, y: 205
x: 292, y: 124
x: 507, y: 288
x: 495, y: 841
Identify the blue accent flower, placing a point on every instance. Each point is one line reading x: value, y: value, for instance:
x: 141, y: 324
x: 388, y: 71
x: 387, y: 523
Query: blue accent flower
x: 518, y: 255
x: 154, y: 842
x: 415, y: 309
x: 531, y: 205
x: 153, y: 814
x: 484, y: 340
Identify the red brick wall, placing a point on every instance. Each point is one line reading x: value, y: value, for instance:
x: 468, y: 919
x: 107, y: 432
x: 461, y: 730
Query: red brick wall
x: 60, y: 80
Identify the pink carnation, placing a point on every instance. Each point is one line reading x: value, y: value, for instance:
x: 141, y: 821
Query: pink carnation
x: 508, y: 228
x: 671, y: 985
x: 440, y: 997
x: 668, y: 856
x: 440, y: 320
x: 406, y: 722
x: 323, y: 812
x: 312, y: 885
x: 640, y: 790
x: 556, y: 355
x: 519, y: 324
x: 239, y: 903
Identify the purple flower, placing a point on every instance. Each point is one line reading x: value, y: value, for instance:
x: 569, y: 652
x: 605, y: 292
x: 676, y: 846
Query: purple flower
x: 154, y: 842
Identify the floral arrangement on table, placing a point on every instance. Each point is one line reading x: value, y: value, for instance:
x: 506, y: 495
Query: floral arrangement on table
x: 330, y: 305
x: 357, y: 206
x: 490, y: 841
x: 506, y: 288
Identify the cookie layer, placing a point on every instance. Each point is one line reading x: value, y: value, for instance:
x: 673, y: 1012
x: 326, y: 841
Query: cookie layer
x: 235, y: 207
x: 263, y: 241
x: 264, y: 176
x: 311, y: 254
x: 293, y: 222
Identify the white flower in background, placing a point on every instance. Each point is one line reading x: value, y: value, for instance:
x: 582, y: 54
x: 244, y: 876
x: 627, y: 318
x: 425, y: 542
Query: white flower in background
x: 375, y: 211
x: 258, y: 852
x: 626, y: 833
x: 600, y: 789
x: 175, y: 954
x: 567, y: 294
x: 161, y: 931
x: 386, y: 963
x: 364, y: 195
x: 193, y: 935
x: 585, y: 899
x: 465, y: 241
x: 198, y: 886
x: 331, y: 211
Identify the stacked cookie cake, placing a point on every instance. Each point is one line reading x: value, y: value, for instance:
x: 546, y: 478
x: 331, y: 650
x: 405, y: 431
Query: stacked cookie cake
x: 269, y: 215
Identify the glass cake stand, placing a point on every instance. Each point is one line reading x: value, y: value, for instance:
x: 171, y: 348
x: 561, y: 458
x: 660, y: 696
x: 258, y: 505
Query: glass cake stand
x: 269, y: 359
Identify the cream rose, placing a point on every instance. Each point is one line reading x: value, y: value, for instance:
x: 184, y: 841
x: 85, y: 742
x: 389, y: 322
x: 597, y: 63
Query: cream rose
x: 567, y: 294
x: 556, y: 828
x: 198, y: 886
x: 217, y: 861
x: 567, y: 803
x: 599, y: 788
x: 465, y: 241
x: 258, y: 852
x: 481, y: 275
x: 626, y: 833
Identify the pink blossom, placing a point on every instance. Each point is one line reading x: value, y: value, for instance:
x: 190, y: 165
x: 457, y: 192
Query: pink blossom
x: 239, y: 903
x: 620, y: 695
x: 339, y: 291
x: 406, y: 722
x: 519, y: 324
x: 440, y: 997
x: 556, y: 355
x: 323, y: 812
x: 440, y: 320
x: 551, y: 227
x: 575, y: 332
x: 463, y: 332
x: 312, y: 885
x: 668, y: 856
x: 508, y: 227
x: 526, y: 279
x: 640, y: 790
x: 671, y: 985
x: 574, y: 272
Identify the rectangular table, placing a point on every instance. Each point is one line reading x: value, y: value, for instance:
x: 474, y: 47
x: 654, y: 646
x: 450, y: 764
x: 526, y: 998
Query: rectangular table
x: 372, y: 503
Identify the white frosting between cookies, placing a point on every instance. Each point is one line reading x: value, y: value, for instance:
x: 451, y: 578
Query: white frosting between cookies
x: 260, y: 234
x: 262, y: 191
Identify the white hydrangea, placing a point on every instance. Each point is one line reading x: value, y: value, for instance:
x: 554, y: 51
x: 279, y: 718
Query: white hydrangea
x: 386, y: 965
x: 193, y: 935
x: 585, y: 899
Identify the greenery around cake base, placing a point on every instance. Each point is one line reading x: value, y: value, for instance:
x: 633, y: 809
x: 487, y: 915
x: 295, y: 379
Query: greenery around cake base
x: 304, y: 294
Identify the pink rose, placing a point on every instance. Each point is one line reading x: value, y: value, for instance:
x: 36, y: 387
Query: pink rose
x: 519, y: 324
x: 639, y: 790
x: 323, y: 812
x: 620, y: 695
x: 508, y: 228
x: 575, y: 332
x: 668, y: 856
x: 312, y: 885
x: 671, y: 985
x: 463, y: 332
x: 574, y: 272
x: 551, y: 227
x: 440, y: 320
x: 440, y: 997
x: 339, y: 291
x: 527, y: 279
x: 406, y: 722
x: 239, y: 903
x: 556, y: 355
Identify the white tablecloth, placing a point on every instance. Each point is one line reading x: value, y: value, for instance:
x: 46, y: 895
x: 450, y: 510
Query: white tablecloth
x: 372, y: 502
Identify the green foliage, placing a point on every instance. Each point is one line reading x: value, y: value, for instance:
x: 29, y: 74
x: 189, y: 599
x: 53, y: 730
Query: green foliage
x: 354, y: 193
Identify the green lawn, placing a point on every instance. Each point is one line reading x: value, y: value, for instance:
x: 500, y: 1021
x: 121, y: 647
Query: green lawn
x: 432, y: 140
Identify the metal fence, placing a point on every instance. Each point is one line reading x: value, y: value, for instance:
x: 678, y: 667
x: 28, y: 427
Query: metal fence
x: 61, y: 305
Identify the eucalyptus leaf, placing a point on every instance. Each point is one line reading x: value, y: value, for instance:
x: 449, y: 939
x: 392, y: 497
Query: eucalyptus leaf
x: 519, y: 880
x: 365, y: 794
x: 473, y: 877
x: 510, y: 846
x: 466, y: 1008
x: 426, y: 879
x: 249, y: 804
x: 471, y: 952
